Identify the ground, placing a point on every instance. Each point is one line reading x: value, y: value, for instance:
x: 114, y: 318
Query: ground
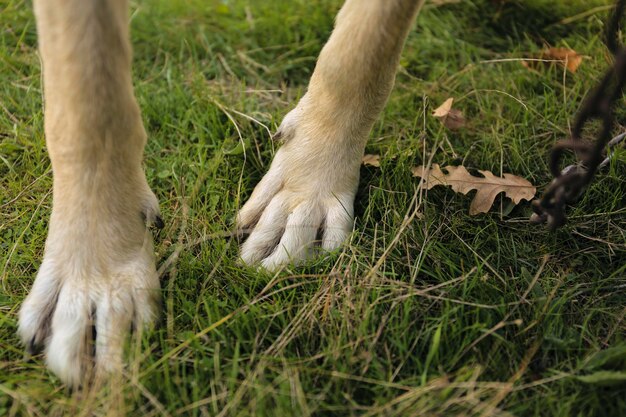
x: 428, y: 311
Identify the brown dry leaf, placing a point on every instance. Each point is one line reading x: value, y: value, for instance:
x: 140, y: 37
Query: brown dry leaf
x: 451, y: 118
x: 371, y: 160
x: 566, y: 57
x: 461, y: 181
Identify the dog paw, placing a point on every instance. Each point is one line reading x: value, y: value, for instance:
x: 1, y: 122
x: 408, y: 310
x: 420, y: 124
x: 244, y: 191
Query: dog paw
x: 304, y: 203
x: 96, y: 282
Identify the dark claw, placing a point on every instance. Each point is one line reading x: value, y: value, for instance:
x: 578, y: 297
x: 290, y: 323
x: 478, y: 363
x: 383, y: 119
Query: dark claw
x: 32, y: 348
x: 158, y: 222
x: 277, y: 136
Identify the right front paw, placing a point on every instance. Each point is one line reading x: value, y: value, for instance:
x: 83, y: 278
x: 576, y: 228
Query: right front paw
x: 81, y: 315
x: 96, y: 282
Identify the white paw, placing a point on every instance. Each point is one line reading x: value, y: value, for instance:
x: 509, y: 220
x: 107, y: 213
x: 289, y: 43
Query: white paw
x: 305, y: 201
x: 97, y: 280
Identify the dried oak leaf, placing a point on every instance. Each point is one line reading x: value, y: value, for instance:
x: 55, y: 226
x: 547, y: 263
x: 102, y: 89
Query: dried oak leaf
x: 566, y: 57
x: 371, y: 160
x: 487, y: 187
x: 451, y: 118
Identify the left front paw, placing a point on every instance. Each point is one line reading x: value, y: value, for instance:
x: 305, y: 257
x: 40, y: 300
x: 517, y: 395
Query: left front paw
x: 305, y: 201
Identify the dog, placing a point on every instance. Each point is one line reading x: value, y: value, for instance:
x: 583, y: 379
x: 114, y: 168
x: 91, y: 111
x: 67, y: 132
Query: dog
x: 98, y: 269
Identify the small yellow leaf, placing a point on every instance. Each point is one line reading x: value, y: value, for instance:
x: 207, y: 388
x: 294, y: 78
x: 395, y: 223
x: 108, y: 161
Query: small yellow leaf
x: 371, y: 160
x: 451, y: 118
x: 444, y: 109
x: 487, y: 187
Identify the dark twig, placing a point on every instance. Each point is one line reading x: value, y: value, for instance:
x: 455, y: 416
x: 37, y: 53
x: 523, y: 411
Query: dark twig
x: 570, y: 183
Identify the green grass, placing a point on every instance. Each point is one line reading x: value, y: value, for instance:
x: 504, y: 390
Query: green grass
x: 428, y: 311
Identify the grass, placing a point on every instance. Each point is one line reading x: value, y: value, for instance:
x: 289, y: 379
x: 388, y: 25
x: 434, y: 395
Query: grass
x: 428, y: 311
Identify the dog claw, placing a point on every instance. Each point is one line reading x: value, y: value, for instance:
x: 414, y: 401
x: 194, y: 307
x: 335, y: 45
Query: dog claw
x: 32, y: 348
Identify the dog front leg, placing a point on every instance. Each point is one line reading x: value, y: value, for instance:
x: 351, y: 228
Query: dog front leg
x: 310, y: 187
x: 98, y: 269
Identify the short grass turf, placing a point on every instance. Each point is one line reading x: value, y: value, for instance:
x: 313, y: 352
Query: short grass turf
x: 428, y: 311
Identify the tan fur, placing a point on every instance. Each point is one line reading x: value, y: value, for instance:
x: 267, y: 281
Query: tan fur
x: 314, y: 176
x: 98, y: 267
